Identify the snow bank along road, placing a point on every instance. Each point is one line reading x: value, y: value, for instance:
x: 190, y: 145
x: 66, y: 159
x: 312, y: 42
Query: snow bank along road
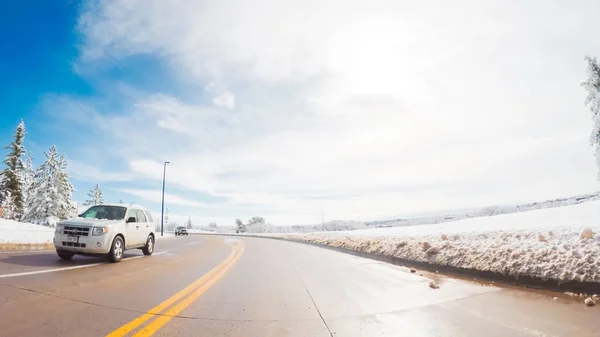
x: 217, y: 286
x: 557, y: 247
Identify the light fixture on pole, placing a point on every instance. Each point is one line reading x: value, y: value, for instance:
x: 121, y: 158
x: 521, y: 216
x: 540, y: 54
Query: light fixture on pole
x: 162, y: 207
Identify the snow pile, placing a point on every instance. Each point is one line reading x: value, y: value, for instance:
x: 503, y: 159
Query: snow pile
x: 200, y: 231
x: 22, y: 232
x: 165, y: 236
x: 558, y: 243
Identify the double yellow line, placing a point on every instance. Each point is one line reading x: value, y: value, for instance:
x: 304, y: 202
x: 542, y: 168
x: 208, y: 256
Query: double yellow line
x: 178, y: 302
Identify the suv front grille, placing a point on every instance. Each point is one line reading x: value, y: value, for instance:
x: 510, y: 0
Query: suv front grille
x: 73, y: 244
x: 77, y: 231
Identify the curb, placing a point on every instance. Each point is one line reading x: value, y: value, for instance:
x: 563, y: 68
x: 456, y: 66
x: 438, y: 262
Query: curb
x: 522, y: 281
x: 25, y: 246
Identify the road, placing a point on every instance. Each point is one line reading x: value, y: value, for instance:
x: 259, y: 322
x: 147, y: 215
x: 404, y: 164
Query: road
x: 219, y: 286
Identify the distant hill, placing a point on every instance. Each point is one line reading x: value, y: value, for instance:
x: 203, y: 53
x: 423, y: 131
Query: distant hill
x: 438, y: 217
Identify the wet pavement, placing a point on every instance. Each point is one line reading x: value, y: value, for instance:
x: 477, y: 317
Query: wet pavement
x: 217, y: 286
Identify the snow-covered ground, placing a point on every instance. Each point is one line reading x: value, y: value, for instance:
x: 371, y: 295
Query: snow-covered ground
x: 21, y: 232
x: 558, y: 243
x: 166, y: 236
x: 200, y: 231
x: 580, y: 215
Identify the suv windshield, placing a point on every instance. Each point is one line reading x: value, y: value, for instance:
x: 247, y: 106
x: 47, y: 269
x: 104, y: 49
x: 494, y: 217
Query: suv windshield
x: 105, y: 212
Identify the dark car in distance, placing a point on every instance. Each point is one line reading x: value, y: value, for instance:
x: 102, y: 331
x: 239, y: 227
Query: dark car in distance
x: 181, y: 230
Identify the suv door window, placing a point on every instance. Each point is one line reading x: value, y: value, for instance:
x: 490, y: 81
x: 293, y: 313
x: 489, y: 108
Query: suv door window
x: 148, y: 216
x: 140, y: 216
x: 131, y: 214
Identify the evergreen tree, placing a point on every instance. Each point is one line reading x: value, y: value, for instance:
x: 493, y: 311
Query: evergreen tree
x: 66, y: 209
x: 95, y: 196
x: 239, y: 226
x: 6, y: 205
x: 50, y: 192
x: 11, y: 186
x: 27, y: 178
x: 43, y: 193
x: 592, y: 86
x: 3, y: 193
x: 189, y: 223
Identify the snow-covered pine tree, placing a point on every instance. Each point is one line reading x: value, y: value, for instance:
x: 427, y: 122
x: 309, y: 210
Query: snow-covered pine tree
x: 11, y: 185
x: 50, y: 192
x: 43, y: 193
x: 592, y: 86
x: 239, y: 226
x: 27, y: 178
x: 95, y: 196
x: 3, y: 196
x: 188, y: 223
x: 6, y: 205
x: 66, y: 209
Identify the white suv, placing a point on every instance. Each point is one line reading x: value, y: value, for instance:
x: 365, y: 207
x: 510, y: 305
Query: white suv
x: 107, y: 229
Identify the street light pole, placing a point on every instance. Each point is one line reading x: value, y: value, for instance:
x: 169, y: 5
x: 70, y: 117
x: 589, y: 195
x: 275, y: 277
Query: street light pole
x: 162, y: 207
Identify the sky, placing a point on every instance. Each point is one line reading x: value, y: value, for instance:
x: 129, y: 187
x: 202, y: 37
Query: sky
x: 358, y: 110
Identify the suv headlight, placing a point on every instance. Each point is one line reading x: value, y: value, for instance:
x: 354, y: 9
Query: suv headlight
x: 58, y: 229
x: 99, y: 231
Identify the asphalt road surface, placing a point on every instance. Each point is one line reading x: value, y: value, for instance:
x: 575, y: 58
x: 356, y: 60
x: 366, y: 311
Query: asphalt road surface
x: 218, y: 286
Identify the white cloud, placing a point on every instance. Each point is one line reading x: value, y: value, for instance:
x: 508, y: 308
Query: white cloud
x: 225, y: 100
x: 383, y: 107
x: 85, y: 172
x: 156, y: 196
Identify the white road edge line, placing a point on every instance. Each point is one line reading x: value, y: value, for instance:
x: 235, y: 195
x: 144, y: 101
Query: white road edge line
x: 41, y: 251
x: 49, y: 270
x: 45, y: 271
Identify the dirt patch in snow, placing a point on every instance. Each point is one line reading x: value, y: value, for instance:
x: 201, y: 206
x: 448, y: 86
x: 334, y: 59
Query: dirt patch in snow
x: 432, y: 251
x: 587, y: 234
x: 433, y: 285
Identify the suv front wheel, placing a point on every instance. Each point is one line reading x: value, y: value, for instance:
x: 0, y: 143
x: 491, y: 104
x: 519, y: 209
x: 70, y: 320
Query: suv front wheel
x: 64, y: 255
x: 149, y: 248
x: 116, y: 250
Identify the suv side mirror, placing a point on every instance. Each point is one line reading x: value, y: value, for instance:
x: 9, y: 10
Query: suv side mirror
x: 130, y: 219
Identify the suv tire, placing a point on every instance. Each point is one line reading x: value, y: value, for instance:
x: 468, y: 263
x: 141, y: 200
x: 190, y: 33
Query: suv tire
x: 65, y: 255
x: 149, y: 248
x: 116, y: 250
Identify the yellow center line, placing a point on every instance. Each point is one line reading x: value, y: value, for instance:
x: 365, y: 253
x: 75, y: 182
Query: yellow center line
x: 207, y: 279
x: 213, y: 238
x: 160, y: 321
